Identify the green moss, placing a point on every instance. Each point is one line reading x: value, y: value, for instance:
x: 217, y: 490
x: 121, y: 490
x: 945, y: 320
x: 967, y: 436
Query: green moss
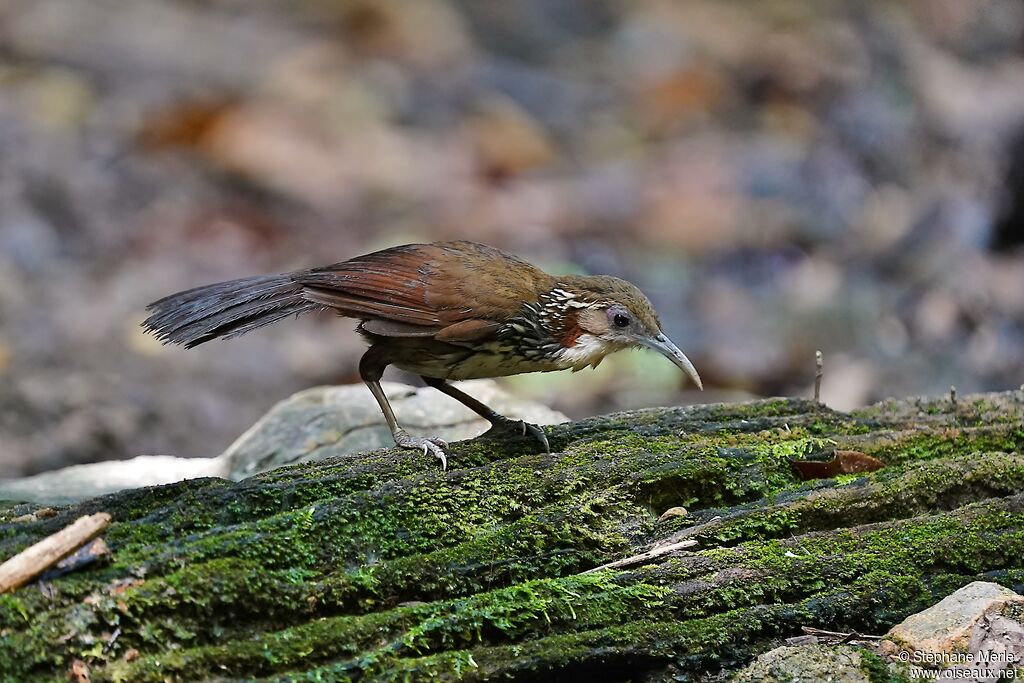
x: 878, y: 669
x: 529, y: 607
x: 384, y: 568
x: 913, y: 488
x: 927, y: 444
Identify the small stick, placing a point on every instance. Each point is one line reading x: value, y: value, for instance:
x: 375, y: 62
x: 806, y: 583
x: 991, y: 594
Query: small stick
x: 692, y: 530
x: 644, y: 557
x: 819, y: 363
x: 113, y: 639
x: 852, y: 635
x: 36, y: 559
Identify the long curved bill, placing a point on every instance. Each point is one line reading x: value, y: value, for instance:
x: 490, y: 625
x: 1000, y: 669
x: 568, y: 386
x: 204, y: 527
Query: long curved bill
x: 665, y: 347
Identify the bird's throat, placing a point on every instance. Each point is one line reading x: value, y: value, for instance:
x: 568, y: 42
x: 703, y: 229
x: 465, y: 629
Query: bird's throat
x: 587, y: 349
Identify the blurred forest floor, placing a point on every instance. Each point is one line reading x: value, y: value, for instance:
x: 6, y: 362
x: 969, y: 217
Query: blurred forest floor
x: 779, y: 177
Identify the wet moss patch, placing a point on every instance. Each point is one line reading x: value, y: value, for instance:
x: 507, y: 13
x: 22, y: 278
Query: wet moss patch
x: 381, y: 567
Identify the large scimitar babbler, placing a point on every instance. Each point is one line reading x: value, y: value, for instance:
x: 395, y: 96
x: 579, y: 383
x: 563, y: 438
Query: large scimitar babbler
x: 444, y: 311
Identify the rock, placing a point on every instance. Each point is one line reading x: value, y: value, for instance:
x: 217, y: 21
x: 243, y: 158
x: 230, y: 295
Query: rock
x: 311, y: 425
x: 807, y: 664
x: 1001, y: 639
x: 78, y: 482
x: 948, y: 625
x: 800, y: 641
x: 338, y: 420
x: 977, y: 627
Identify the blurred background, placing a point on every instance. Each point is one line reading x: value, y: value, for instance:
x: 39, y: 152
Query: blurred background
x: 778, y: 177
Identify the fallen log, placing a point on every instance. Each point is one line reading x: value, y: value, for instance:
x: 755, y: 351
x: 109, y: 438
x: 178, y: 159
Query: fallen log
x: 380, y: 566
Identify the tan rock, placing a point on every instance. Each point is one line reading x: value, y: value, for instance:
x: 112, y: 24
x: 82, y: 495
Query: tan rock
x: 948, y: 626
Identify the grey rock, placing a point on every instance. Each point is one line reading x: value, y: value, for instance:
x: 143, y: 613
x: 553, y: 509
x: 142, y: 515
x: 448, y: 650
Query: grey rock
x: 310, y: 425
x: 806, y: 664
x: 339, y: 420
x: 79, y: 482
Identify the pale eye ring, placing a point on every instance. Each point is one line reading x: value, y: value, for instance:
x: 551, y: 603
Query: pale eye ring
x: 621, y: 320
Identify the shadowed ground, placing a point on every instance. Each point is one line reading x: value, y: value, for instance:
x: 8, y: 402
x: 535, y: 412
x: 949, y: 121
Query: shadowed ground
x: 381, y: 567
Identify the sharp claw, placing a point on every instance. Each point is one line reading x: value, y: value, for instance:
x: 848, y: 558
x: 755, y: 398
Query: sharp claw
x: 435, y: 447
x: 523, y: 427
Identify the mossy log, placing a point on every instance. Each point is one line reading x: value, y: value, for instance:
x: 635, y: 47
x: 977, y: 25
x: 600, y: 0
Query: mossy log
x: 379, y: 566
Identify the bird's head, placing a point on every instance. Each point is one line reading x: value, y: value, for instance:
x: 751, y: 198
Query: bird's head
x: 617, y: 315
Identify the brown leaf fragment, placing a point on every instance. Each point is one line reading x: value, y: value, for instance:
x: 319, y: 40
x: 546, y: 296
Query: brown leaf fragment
x: 185, y: 124
x: 85, y: 555
x: 677, y: 511
x: 121, y: 585
x: 852, y: 462
x: 79, y: 672
x: 844, y: 462
x: 41, y: 513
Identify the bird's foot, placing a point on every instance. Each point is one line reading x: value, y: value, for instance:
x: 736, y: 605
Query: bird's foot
x: 503, y: 425
x: 437, y: 447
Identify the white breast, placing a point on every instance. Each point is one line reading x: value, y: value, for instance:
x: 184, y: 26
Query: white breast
x: 499, y: 360
x: 588, y: 350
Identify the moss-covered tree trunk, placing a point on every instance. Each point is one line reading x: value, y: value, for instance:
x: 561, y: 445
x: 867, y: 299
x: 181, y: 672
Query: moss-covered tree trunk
x: 382, y: 567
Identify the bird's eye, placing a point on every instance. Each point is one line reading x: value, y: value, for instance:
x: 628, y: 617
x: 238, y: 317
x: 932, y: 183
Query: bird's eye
x: 621, y: 320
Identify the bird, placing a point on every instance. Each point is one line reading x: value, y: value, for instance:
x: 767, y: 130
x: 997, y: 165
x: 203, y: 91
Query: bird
x: 445, y: 311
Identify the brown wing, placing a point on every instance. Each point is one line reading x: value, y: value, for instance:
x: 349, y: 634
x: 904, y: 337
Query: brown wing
x: 470, y: 286
x: 392, y: 284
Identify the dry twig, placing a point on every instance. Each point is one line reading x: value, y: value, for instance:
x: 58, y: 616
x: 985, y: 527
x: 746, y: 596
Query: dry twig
x: 819, y: 372
x: 838, y: 637
x: 644, y: 557
x: 37, y: 558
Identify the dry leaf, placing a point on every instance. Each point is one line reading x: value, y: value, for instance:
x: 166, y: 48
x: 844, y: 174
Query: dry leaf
x: 121, y: 585
x: 79, y: 672
x: 85, y: 555
x: 41, y: 513
x: 844, y: 462
x: 508, y: 141
x: 677, y: 511
x: 851, y: 462
x: 185, y: 124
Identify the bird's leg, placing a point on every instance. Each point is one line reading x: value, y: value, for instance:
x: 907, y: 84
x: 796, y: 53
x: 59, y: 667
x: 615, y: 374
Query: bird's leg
x: 497, y: 420
x: 371, y: 370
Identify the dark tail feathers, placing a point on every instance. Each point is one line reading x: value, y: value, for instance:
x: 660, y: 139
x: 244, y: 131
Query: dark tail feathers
x: 226, y: 309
